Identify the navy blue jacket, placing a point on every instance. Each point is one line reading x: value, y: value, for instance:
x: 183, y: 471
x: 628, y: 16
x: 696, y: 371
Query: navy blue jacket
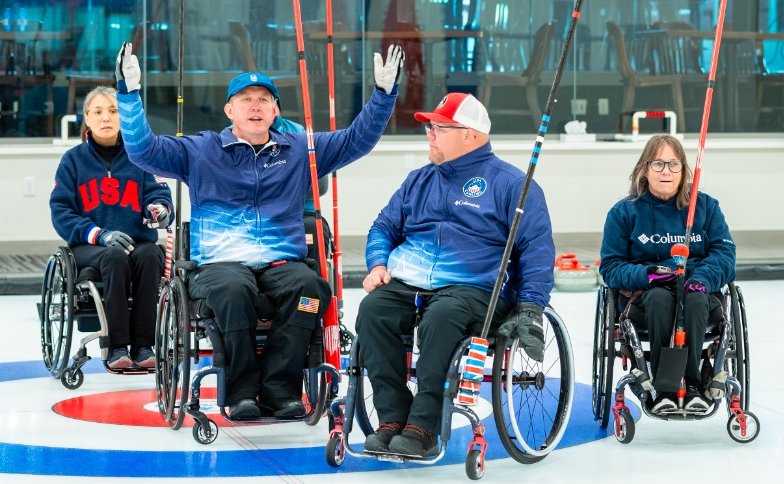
x: 246, y: 206
x: 639, y: 233
x: 448, y: 225
x: 87, y: 198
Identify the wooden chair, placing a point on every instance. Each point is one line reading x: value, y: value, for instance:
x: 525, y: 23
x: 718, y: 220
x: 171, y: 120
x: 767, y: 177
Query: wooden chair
x: 528, y: 79
x: 632, y: 80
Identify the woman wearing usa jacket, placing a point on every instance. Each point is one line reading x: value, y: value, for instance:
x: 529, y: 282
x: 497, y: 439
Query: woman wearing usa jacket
x: 107, y: 210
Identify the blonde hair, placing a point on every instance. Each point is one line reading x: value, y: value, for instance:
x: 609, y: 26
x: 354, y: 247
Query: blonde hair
x: 106, y: 91
x: 639, y: 180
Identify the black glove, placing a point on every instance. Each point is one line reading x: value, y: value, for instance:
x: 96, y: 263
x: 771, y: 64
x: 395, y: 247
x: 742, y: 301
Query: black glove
x: 661, y: 276
x: 127, y: 71
x: 158, y: 216
x: 387, y: 73
x: 525, y: 324
x: 115, y: 238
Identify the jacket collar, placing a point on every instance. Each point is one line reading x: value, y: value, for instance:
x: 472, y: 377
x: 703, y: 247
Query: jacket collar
x: 276, y: 139
x: 468, y: 162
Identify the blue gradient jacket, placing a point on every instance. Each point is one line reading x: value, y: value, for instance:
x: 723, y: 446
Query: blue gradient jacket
x: 639, y: 233
x: 247, y: 207
x: 448, y: 225
x: 88, y: 198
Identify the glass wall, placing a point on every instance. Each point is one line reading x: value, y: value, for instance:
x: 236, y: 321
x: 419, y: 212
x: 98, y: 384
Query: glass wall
x: 627, y: 55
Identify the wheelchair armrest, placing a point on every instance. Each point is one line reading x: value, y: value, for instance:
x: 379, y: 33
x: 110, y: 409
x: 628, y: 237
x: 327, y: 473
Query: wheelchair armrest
x: 187, y: 265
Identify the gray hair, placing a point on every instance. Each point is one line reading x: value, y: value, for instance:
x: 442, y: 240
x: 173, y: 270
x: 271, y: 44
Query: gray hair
x: 105, y: 90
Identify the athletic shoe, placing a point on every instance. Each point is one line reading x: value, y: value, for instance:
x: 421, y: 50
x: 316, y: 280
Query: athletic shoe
x: 379, y: 440
x: 143, y: 357
x: 119, y: 359
x: 663, y: 403
x: 287, y: 409
x: 244, y: 409
x: 414, y: 441
x: 694, y: 401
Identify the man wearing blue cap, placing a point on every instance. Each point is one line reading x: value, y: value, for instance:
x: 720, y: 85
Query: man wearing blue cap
x: 247, y: 186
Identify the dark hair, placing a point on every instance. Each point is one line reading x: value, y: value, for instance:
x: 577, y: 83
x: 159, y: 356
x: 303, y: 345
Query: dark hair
x: 639, y: 181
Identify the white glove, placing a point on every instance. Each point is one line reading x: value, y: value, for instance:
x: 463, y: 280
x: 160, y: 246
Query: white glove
x: 159, y: 216
x: 127, y: 71
x: 387, y: 74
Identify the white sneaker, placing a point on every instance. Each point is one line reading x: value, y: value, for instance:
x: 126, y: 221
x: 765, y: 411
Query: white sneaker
x: 663, y: 404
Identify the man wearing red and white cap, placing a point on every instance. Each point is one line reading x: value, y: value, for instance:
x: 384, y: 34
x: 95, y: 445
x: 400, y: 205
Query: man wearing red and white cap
x: 441, y: 239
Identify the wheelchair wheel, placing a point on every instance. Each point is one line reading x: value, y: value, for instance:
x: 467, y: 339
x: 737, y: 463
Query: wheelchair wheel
x: 365, y: 414
x: 737, y: 360
x: 315, y: 395
x: 752, y: 428
x: 475, y: 465
x: 172, y: 353
x: 205, y: 434
x: 57, y: 311
x: 624, y: 427
x: 335, y: 452
x: 603, y: 356
x: 532, y: 401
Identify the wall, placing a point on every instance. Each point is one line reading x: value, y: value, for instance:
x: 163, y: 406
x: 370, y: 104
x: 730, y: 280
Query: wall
x: 581, y: 181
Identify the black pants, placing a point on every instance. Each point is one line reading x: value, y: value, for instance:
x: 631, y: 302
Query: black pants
x: 655, y: 309
x: 137, y: 275
x: 389, y: 312
x: 231, y: 291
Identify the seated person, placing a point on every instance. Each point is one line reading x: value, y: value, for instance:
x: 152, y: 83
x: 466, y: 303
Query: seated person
x: 635, y: 256
x: 443, y: 235
x: 107, y: 209
x: 247, y: 187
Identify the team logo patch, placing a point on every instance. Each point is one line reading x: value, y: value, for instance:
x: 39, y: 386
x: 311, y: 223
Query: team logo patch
x: 254, y: 78
x: 475, y: 187
x: 308, y: 305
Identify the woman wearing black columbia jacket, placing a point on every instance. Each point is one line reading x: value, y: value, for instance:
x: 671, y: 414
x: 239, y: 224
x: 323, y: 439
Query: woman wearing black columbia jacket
x: 107, y: 210
x: 635, y: 256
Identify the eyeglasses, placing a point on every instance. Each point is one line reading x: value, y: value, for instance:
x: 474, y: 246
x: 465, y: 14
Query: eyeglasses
x: 437, y: 129
x: 675, y: 166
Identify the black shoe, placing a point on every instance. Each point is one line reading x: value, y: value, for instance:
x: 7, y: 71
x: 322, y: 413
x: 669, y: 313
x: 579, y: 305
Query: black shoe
x: 119, y: 359
x: 414, y: 441
x: 663, y: 403
x: 694, y: 401
x: 379, y: 440
x: 244, y: 409
x: 288, y: 409
x: 143, y: 357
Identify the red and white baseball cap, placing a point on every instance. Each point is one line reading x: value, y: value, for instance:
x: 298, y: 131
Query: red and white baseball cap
x: 461, y: 108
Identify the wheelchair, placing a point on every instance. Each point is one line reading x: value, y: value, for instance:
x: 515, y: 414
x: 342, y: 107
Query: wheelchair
x: 725, y: 366
x: 531, y: 401
x: 184, y: 325
x: 70, y: 295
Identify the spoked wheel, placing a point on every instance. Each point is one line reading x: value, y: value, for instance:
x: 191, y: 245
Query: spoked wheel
x: 475, y: 465
x: 532, y: 401
x: 57, y: 307
x: 624, y: 427
x: 738, y: 434
x: 603, y: 356
x: 365, y: 412
x: 736, y: 361
x: 314, y: 395
x: 172, y: 353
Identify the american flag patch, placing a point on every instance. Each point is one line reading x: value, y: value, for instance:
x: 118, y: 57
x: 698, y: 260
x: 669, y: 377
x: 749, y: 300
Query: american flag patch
x: 308, y: 305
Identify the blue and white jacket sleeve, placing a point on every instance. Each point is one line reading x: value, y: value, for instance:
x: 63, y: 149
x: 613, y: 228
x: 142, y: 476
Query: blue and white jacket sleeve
x: 161, y: 155
x: 386, y: 233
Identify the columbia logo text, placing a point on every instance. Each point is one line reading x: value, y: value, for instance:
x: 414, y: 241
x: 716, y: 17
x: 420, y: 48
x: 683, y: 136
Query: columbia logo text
x: 668, y: 238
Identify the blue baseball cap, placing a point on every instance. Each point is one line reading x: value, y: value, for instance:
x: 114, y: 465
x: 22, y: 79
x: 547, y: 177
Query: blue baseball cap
x: 251, y: 79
